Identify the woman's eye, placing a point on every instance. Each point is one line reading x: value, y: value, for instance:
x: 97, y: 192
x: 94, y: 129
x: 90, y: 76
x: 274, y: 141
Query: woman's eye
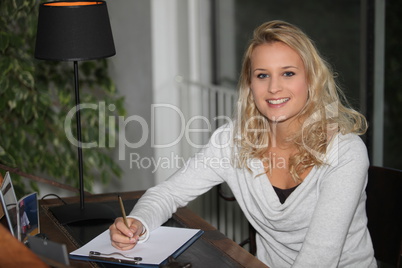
x: 289, y: 74
x: 262, y: 75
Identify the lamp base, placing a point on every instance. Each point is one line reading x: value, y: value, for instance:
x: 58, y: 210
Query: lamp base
x: 72, y: 213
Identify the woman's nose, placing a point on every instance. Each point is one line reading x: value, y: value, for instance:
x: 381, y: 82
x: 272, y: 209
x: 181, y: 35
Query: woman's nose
x: 274, y: 85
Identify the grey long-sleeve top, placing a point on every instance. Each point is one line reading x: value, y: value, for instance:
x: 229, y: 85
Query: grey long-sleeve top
x: 323, y: 223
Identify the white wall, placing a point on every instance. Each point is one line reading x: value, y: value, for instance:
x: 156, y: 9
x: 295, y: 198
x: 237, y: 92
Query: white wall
x: 165, y: 67
x: 156, y: 41
x: 131, y: 71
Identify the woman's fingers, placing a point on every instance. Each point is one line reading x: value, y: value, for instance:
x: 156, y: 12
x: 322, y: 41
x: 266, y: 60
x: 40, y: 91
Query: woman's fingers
x: 123, y: 246
x: 136, y: 227
x: 121, y: 236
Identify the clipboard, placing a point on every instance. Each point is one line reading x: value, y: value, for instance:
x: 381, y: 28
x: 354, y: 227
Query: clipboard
x: 163, y: 242
x: 49, y: 249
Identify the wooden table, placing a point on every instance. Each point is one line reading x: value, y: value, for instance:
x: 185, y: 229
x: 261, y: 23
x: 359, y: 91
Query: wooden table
x: 15, y: 254
x: 213, y: 249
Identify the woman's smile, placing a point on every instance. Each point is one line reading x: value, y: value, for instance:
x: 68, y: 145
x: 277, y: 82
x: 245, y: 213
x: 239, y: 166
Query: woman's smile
x: 276, y: 102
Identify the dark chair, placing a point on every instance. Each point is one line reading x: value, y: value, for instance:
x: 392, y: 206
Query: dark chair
x: 250, y: 240
x: 384, y: 212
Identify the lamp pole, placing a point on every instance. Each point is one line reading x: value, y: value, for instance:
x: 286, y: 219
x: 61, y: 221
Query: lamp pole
x: 79, y: 137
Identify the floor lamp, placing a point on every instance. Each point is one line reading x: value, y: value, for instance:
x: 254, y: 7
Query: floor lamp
x: 75, y: 31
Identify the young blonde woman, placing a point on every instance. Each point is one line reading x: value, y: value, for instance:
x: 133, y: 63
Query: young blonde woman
x: 298, y: 168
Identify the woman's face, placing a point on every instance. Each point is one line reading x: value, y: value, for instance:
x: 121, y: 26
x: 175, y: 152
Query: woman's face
x: 278, y: 81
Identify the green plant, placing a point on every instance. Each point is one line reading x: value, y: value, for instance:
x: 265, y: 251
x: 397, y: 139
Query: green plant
x: 35, y: 97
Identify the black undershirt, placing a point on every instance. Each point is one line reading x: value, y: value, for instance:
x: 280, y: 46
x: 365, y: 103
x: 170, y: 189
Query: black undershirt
x: 284, y: 193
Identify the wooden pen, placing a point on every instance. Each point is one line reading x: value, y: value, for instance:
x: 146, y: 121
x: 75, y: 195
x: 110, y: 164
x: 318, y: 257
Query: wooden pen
x: 123, y: 211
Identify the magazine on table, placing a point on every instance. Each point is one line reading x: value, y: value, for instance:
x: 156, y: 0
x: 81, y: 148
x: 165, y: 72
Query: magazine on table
x: 21, y: 216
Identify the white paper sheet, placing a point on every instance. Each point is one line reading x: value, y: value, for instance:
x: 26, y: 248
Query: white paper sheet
x: 162, y: 243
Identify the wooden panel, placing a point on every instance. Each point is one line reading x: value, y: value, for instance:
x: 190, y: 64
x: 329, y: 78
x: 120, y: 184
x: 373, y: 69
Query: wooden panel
x: 16, y: 254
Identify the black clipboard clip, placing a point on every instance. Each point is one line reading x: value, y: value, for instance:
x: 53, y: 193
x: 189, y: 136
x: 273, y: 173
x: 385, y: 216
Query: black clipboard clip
x: 96, y: 255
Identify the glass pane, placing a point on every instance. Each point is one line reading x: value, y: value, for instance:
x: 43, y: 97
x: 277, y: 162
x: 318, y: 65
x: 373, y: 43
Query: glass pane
x: 392, y: 86
x: 333, y: 25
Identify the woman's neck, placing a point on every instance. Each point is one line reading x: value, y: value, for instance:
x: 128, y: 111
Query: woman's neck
x: 281, y: 132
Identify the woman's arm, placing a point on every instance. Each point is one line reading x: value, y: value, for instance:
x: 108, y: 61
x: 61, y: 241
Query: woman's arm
x: 158, y: 203
x: 206, y: 169
x: 340, y: 194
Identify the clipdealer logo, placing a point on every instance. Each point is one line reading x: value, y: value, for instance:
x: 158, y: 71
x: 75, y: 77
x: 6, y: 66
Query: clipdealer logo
x: 107, y: 126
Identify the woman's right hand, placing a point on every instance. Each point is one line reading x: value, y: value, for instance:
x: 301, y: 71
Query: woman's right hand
x: 123, y: 237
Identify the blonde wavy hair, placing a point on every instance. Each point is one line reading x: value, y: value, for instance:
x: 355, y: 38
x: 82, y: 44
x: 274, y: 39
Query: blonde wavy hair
x: 325, y: 113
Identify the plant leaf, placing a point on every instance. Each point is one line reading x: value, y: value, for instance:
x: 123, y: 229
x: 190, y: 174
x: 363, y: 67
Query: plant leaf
x: 3, y: 41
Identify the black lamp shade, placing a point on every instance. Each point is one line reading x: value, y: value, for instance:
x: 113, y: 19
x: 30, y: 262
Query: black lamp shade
x: 74, y: 31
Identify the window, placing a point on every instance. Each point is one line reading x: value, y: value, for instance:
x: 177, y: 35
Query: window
x: 392, y: 85
x: 350, y: 36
